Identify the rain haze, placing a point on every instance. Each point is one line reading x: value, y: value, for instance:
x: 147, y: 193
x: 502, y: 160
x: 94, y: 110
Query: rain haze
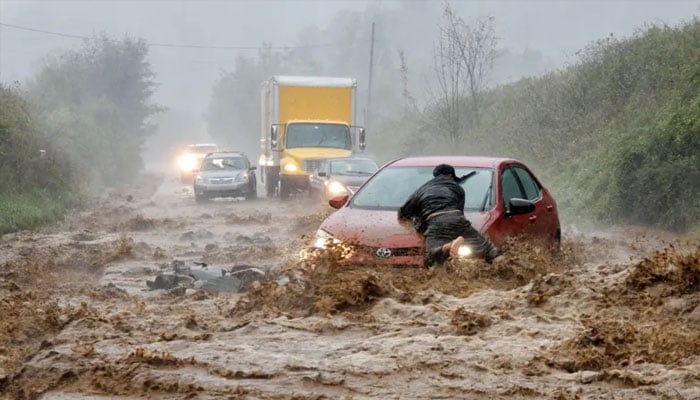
x: 349, y: 199
x: 544, y: 35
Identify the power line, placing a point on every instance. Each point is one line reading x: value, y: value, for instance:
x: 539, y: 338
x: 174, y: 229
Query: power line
x: 173, y: 45
x: 24, y: 28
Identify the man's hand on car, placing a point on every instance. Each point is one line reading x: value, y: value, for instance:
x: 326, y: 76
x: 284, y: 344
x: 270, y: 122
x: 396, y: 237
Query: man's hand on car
x: 404, y: 221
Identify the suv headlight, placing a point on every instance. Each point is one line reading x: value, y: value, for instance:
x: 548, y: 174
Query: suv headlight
x: 198, y: 179
x: 243, y: 177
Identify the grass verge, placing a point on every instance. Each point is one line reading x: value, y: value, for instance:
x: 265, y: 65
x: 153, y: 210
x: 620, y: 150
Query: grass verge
x: 19, y: 211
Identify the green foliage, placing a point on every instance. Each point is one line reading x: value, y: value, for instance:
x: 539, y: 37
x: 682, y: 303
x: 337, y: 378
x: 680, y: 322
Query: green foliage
x: 94, y: 105
x: 35, y: 180
x: 27, y: 160
x: 659, y: 174
x: 81, y: 126
x: 616, y: 136
x: 30, y: 209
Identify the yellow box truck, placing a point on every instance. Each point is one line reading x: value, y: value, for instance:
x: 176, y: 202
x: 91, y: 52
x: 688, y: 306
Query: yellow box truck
x: 304, y: 120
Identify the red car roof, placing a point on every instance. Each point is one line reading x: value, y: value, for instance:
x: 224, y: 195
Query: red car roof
x: 455, y: 161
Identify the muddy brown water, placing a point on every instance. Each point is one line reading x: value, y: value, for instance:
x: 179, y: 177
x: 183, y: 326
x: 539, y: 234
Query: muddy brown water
x: 616, y: 316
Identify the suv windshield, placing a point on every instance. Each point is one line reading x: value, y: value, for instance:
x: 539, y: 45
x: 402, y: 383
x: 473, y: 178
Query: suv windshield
x: 223, y: 163
x: 318, y: 135
x: 391, y: 187
x: 353, y: 167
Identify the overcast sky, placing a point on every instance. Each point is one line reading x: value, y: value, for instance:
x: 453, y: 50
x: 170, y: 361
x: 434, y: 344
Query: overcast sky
x: 557, y: 29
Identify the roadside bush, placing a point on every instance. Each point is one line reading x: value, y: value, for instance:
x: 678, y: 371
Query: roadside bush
x: 659, y: 172
x: 94, y: 104
x: 36, y: 182
x: 615, y: 136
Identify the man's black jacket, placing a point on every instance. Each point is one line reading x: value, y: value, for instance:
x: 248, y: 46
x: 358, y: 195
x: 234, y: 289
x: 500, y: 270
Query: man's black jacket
x: 442, y: 193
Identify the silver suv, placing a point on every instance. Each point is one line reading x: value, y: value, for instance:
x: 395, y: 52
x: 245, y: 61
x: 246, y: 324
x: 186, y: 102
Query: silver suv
x: 225, y: 174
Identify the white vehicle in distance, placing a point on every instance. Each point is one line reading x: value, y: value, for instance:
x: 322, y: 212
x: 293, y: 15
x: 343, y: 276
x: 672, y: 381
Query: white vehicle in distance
x: 189, y: 159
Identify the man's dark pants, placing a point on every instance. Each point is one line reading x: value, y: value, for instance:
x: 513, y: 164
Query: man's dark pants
x: 443, y: 229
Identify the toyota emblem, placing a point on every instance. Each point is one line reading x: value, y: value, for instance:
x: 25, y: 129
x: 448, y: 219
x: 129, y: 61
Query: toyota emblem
x: 383, y: 252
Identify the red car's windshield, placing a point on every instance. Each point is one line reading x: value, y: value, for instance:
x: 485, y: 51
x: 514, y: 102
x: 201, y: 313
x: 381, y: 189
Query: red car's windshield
x: 390, y: 188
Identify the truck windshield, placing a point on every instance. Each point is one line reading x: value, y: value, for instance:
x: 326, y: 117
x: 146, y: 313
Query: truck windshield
x: 318, y: 135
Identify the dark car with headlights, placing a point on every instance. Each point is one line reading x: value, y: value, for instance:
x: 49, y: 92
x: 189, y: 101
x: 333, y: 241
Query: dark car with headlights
x: 339, y: 176
x: 503, y: 199
x: 225, y: 174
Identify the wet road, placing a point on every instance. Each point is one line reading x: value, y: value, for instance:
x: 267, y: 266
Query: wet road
x: 85, y: 326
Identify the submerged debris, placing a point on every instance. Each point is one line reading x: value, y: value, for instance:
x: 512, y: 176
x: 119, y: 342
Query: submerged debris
x: 211, y: 279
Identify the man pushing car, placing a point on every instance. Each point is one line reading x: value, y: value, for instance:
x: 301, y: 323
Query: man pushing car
x: 437, y: 212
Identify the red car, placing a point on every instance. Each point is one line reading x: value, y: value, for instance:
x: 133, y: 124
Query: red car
x: 503, y: 199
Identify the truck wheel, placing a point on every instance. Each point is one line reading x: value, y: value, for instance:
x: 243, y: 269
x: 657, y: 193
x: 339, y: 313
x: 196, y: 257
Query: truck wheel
x: 284, y: 190
x: 270, y: 183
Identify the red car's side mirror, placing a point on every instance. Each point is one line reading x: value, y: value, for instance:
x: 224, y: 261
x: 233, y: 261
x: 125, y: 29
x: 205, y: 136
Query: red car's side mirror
x: 338, y: 201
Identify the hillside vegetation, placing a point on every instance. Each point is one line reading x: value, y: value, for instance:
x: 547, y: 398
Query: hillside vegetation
x: 78, y: 127
x: 36, y: 183
x: 616, y: 136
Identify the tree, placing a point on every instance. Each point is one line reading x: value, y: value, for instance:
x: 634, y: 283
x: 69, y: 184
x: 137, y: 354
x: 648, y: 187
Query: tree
x: 448, y: 102
x: 476, y: 44
x: 233, y: 115
x: 409, y: 102
x: 462, y: 59
x: 95, y: 105
x: 27, y: 162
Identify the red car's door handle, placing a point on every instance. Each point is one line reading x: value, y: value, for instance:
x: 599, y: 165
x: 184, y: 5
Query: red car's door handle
x: 550, y: 208
x: 532, y: 218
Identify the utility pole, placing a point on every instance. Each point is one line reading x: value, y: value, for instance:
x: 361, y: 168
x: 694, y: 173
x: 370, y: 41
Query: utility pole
x: 368, y: 109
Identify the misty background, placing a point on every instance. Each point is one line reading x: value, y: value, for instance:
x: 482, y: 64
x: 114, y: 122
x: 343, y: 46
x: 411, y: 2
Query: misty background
x: 321, y: 37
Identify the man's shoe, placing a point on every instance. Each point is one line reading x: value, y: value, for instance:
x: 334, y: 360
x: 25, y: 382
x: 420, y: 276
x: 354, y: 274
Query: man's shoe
x: 455, y: 245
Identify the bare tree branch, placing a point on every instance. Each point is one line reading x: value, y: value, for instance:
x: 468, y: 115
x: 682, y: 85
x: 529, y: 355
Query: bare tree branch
x: 409, y: 102
x: 476, y: 46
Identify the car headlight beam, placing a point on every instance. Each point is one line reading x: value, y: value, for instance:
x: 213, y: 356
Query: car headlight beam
x: 323, y: 239
x: 336, y: 188
x: 290, y: 167
x: 187, y: 162
x: 464, y: 251
x: 326, y: 242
